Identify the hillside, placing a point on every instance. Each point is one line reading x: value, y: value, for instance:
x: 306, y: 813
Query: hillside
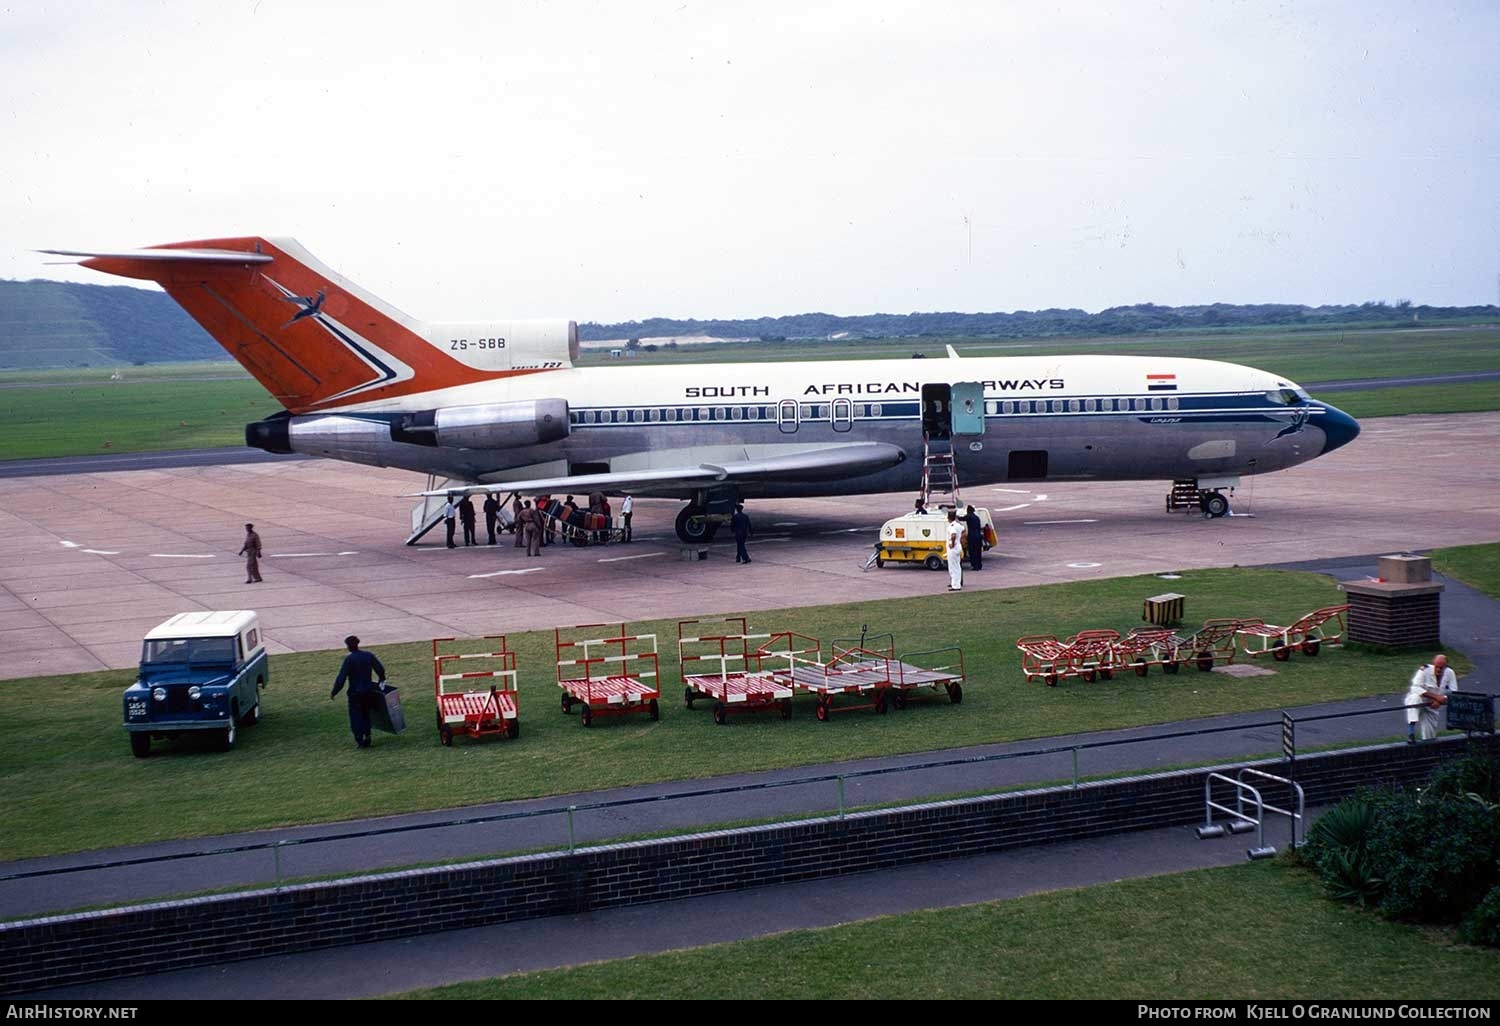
x: 55, y: 324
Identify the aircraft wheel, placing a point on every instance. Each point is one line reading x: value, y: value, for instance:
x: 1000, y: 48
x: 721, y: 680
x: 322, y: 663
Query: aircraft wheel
x: 692, y: 527
x: 1215, y: 505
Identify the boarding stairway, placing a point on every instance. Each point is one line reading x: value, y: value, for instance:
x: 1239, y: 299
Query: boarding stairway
x: 939, y: 471
x: 428, y: 513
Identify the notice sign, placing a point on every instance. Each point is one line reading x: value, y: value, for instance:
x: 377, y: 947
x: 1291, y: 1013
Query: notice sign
x: 1471, y: 710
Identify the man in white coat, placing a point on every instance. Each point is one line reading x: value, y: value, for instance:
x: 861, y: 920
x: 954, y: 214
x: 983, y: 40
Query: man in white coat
x: 955, y: 552
x: 1428, y: 691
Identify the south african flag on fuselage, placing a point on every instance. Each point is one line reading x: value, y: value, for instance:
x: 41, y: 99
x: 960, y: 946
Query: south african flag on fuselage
x: 1161, y: 382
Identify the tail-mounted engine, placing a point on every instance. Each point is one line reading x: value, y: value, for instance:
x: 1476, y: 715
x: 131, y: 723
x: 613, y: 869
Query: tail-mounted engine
x: 488, y: 426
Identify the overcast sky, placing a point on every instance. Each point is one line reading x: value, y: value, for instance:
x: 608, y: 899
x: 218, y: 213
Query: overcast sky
x: 606, y: 161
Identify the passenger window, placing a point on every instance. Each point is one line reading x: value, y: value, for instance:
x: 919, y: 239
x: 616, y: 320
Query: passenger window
x: 1090, y: 405
x: 1172, y: 403
x: 1073, y: 406
x: 875, y: 410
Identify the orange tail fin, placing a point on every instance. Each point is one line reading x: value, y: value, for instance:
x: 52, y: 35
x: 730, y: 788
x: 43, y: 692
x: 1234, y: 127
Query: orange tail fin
x: 315, y: 340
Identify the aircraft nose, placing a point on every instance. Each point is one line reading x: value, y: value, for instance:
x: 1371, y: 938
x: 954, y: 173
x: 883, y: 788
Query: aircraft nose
x: 1338, y: 427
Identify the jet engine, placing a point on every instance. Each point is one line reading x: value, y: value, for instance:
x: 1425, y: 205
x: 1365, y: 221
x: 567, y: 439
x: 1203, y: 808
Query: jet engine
x: 486, y: 426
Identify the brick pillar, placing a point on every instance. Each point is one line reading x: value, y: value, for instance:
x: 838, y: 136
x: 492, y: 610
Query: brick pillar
x: 1401, y: 610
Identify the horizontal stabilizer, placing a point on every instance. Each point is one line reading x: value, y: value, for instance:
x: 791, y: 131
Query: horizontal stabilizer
x: 199, y: 256
x: 829, y: 462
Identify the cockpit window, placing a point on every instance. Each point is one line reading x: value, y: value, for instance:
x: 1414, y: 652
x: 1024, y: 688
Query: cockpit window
x: 1287, y: 396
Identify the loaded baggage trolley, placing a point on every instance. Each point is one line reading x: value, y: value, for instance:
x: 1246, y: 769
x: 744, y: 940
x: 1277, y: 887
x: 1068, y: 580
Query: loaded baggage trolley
x: 1306, y: 635
x: 579, y: 526
x: 716, y: 662
x: 614, y: 674
x: 477, y: 702
x: 852, y: 671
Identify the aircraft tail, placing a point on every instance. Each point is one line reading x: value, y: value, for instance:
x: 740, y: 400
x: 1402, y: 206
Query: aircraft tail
x: 315, y: 340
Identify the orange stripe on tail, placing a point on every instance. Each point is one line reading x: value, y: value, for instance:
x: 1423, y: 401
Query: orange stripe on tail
x: 315, y: 340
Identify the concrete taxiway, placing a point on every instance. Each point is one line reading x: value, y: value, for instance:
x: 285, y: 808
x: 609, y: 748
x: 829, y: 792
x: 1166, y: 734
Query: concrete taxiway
x: 90, y: 561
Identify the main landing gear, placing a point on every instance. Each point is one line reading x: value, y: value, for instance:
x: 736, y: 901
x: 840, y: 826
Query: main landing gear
x: 695, y: 525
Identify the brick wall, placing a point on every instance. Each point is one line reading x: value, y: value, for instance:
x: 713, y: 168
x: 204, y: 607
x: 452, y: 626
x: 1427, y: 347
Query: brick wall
x: 202, y: 931
x: 1397, y: 621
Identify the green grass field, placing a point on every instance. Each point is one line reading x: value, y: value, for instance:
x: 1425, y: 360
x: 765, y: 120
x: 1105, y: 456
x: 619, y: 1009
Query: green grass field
x: 71, y: 783
x: 1476, y: 565
x: 1257, y: 931
x: 178, y: 406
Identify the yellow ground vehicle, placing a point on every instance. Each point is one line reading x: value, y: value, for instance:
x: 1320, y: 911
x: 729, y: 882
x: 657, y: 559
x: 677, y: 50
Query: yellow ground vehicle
x: 922, y: 538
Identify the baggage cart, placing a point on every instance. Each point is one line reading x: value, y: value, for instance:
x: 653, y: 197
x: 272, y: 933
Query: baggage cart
x: 1307, y: 635
x: 716, y: 662
x: 606, y: 671
x: 475, y: 692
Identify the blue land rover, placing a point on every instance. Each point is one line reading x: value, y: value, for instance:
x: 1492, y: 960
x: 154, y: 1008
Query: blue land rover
x: 199, y: 671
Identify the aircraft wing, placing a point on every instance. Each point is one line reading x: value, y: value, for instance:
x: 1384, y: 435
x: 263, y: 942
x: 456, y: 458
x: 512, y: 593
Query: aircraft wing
x: 828, y: 463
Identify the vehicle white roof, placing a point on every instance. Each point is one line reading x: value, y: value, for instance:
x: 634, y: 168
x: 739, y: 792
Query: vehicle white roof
x: 211, y: 624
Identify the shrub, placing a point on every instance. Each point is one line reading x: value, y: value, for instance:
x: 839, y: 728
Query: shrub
x: 1337, y: 850
x: 1474, y: 773
x: 1436, y: 855
x: 1482, y: 925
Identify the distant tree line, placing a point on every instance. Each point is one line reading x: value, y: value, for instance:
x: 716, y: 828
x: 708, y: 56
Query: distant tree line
x: 59, y: 324
x: 1118, y: 320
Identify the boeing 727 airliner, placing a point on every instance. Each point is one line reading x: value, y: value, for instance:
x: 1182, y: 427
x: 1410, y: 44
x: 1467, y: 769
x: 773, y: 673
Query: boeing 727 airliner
x: 500, y: 405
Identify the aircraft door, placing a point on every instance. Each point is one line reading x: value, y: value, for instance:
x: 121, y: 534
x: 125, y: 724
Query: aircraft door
x: 937, y: 411
x: 843, y: 414
x: 968, y: 408
x: 786, y: 416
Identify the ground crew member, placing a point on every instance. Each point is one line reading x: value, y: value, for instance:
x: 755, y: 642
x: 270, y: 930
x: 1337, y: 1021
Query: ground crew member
x: 251, y: 551
x: 920, y: 507
x: 363, y: 692
x: 533, y: 528
x: 491, y: 514
x: 976, y: 539
x: 466, y: 514
x: 1428, y: 692
x: 739, y: 524
x: 546, y: 527
x: 955, y: 552
x: 626, y: 505
x: 450, y: 511
x: 515, y: 523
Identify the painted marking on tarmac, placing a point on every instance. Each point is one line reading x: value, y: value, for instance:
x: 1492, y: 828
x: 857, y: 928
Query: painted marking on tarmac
x: 1084, y: 566
x: 1038, y: 498
x: 1039, y: 523
x: 1013, y: 491
x: 851, y: 530
x: 621, y: 559
x: 1011, y: 509
x: 503, y: 573
x: 298, y: 555
x: 69, y: 545
x: 180, y: 555
x: 787, y: 523
x: 350, y: 553
x: 101, y: 552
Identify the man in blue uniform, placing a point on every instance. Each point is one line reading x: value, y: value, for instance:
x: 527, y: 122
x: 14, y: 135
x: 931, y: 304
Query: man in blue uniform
x: 976, y: 539
x: 739, y: 524
x: 363, y: 692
